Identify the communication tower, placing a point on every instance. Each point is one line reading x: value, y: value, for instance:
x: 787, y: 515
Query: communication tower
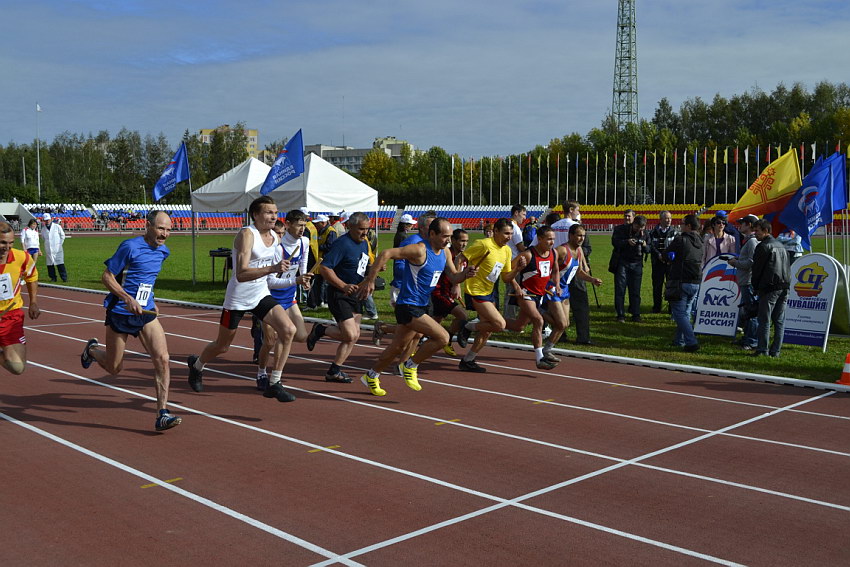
x: 625, y: 104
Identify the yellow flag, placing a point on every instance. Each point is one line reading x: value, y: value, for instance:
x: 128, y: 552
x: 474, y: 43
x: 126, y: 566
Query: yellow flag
x: 715, y: 156
x: 770, y: 192
x: 725, y: 155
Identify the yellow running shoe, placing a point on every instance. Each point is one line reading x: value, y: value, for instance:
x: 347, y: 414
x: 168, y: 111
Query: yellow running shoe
x: 374, y: 385
x: 449, y: 350
x: 411, y: 377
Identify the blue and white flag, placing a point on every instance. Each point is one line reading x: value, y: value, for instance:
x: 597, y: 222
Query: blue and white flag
x: 289, y: 164
x: 810, y: 207
x: 176, y: 171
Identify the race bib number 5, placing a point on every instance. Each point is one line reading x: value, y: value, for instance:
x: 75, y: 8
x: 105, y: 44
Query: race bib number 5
x: 143, y: 294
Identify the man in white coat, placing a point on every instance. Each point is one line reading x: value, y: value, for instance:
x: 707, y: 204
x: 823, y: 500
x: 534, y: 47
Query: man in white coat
x: 54, y: 255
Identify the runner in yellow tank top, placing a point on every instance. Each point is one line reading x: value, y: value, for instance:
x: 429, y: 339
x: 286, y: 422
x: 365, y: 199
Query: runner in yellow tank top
x: 492, y: 256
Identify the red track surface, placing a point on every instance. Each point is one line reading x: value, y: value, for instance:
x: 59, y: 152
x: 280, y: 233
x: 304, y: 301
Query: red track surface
x: 593, y: 463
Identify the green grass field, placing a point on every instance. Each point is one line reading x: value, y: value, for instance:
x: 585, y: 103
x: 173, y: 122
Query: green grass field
x: 649, y: 339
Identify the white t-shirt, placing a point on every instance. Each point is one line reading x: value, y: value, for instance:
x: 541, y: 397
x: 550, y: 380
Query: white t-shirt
x: 561, y: 230
x: 515, y: 239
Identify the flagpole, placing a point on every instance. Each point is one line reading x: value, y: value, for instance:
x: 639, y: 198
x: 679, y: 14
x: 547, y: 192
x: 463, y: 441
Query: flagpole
x: 509, y: 179
x: 558, y: 177
x: 500, y: 180
x: 567, y: 189
x: 528, y: 187
x: 548, y: 182
x: 715, y: 175
x: 606, y: 179
x: 491, y: 181
x: 615, y: 179
x: 596, y: 180
x: 453, y: 180
x: 577, y: 158
x: 38, y: 151
x: 586, y: 175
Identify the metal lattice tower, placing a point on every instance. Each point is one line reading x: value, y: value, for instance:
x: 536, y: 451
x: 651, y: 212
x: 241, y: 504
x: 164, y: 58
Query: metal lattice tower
x: 625, y: 104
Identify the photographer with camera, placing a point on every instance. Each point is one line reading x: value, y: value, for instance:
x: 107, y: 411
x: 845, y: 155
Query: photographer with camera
x: 630, y: 246
x: 660, y: 238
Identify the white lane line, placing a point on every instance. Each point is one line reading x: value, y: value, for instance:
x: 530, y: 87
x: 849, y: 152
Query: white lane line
x: 185, y: 493
x: 567, y: 376
x: 518, y: 501
x: 502, y: 502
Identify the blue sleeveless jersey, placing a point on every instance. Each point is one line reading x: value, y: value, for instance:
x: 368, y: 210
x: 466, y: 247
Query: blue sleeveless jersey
x: 417, y: 282
x: 399, y: 265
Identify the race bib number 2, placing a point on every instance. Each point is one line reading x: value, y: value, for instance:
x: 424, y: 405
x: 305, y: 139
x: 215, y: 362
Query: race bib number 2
x: 6, y: 289
x: 143, y: 294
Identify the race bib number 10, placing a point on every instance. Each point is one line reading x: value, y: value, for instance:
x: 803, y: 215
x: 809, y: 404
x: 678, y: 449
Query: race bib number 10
x: 143, y: 294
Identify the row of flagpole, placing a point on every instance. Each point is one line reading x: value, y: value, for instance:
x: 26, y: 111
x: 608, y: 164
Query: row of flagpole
x: 619, y: 193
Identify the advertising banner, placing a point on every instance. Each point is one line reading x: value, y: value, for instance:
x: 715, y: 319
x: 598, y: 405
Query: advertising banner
x: 814, y: 280
x: 718, y: 299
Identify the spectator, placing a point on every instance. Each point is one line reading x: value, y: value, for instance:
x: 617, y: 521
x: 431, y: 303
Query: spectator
x: 579, y: 301
x: 54, y: 254
x: 660, y: 238
x: 629, y: 241
x: 685, y: 255
x: 717, y: 241
x: 771, y: 277
x: 744, y: 266
x: 730, y: 229
x: 404, y: 224
x: 793, y: 244
x: 29, y: 239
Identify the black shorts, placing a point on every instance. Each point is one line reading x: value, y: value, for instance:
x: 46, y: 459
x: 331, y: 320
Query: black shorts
x: 404, y: 313
x: 441, y: 307
x: 537, y: 299
x: 127, y: 324
x: 230, y: 318
x: 343, y: 307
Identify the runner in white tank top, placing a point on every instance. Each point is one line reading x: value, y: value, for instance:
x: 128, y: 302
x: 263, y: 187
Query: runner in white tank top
x: 246, y: 295
x: 247, y: 290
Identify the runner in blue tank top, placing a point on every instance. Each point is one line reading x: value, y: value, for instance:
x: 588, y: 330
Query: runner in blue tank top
x: 130, y: 276
x: 426, y: 261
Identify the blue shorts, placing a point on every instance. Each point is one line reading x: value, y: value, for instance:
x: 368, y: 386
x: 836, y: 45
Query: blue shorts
x: 471, y: 300
x: 32, y: 251
x: 286, y: 297
x: 127, y: 324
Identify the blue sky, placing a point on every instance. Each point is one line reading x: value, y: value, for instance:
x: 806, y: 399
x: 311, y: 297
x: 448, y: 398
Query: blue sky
x: 476, y: 78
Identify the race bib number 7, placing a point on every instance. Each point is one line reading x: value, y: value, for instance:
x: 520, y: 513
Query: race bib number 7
x: 143, y: 294
x: 493, y: 276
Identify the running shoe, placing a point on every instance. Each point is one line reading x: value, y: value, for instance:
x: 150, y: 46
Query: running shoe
x: 277, y: 390
x: 449, y: 350
x: 411, y: 377
x: 470, y: 366
x: 262, y: 381
x: 544, y: 364
x: 463, y: 336
x: 86, y: 358
x: 377, y: 333
x: 340, y: 376
x: 374, y: 385
x: 551, y: 357
x: 196, y: 377
x: 315, y: 334
x: 166, y: 421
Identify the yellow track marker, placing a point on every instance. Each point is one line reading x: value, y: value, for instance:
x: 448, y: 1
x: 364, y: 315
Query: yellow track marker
x: 445, y: 422
x: 320, y: 450
x: 544, y: 401
x: 169, y: 481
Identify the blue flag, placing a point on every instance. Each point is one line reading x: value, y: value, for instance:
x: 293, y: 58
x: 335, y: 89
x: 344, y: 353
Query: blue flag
x: 289, y: 164
x: 810, y: 207
x: 176, y: 171
x: 838, y: 177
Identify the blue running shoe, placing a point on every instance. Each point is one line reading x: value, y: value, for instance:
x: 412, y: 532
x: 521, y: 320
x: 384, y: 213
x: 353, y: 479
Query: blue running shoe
x: 166, y: 421
x: 86, y: 358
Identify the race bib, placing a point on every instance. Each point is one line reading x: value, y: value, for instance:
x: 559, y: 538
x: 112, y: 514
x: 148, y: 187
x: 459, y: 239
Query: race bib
x: 143, y: 294
x: 571, y: 274
x: 6, y: 289
x: 435, y: 278
x: 362, y: 264
x: 493, y: 276
x: 545, y: 269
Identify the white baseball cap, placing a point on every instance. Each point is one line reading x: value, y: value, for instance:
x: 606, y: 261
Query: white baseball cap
x: 305, y: 210
x: 46, y: 216
x: 321, y: 218
x: 407, y: 219
x: 344, y: 216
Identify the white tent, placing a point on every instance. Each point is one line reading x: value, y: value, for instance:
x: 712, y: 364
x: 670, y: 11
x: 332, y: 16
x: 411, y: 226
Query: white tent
x: 324, y: 188
x: 231, y: 192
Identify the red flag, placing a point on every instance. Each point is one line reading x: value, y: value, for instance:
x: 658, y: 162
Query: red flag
x: 705, y: 155
x: 736, y: 154
x: 767, y: 158
x: 644, y: 157
x: 675, y: 155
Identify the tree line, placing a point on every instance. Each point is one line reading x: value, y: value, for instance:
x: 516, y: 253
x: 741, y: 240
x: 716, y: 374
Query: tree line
x: 123, y: 168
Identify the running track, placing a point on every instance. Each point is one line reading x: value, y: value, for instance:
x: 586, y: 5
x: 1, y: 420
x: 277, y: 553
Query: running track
x: 593, y: 463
